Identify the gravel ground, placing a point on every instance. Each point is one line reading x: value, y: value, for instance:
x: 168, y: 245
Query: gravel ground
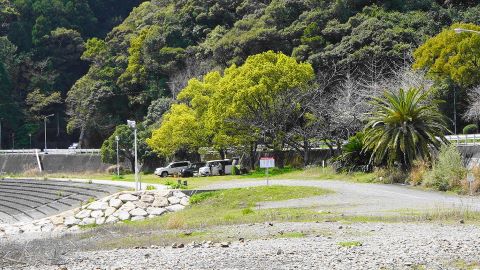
x: 384, y: 246
x: 315, y: 245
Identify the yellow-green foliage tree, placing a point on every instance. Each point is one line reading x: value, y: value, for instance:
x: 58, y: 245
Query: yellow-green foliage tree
x: 180, y: 129
x: 233, y: 109
x: 452, y: 55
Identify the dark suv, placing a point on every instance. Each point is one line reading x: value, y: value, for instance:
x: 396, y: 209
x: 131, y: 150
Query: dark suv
x: 192, y: 169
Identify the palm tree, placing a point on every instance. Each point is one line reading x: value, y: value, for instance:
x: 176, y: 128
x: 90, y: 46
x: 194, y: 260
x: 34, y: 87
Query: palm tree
x: 403, y: 127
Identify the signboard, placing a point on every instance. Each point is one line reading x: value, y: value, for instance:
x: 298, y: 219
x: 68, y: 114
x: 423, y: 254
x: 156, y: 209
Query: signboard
x: 470, y: 178
x: 267, y: 162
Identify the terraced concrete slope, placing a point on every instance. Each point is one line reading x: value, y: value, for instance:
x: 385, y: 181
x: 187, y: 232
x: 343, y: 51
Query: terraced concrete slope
x: 23, y: 200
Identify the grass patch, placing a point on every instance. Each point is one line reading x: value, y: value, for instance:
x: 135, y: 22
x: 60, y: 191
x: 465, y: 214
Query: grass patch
x: 272, y: 172
x: 237, y: 206
x: 87, y: 227
x: 319, y: 173
x: 464, y: 265
x: 444, y: 215
x: 292, y: 235
x: 350, y: 244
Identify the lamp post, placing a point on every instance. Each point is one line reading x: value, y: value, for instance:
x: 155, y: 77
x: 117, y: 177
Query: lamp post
x: 133, y: 124
x: 30, y: 136
x: 118, y: 167
x: 1, y: 133
x: 463, y: 30
x: 13, y: 141
x: 45, y: 127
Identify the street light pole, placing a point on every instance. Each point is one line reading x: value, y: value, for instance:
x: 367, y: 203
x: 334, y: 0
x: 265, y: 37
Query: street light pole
x: 1, y: 133
x: 45, y: 127
x: 455, y: 108
x: 133, y: 124
x: 118, y: 166
x: 463, y: 30
x: 30, y: 135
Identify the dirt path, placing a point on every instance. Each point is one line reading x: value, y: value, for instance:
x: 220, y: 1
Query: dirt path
x: 359, y: 198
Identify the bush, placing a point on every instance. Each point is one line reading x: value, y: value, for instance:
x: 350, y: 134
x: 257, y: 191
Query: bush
x: 448, y: 170
x: 353, y: 158
x: 470, y: 129
x: 113, y: 169
x: 418, y: 171
x: 390, y: 175
x: 475, y: 185
x: 176, y: 221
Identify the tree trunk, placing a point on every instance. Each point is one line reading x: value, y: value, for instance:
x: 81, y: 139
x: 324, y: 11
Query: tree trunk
x: 306, y: 150
x: 279, y: 156
x: 81, y: 138
x: 222, y: 153
x: 253, y: 154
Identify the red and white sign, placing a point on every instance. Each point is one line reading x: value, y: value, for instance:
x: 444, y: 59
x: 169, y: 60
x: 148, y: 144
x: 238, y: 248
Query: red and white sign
x: 267, y: 162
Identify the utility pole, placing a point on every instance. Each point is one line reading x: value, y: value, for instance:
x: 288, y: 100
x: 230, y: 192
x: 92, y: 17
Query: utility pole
x: 455, y: 109
x: 133, y: 124
x: 1, y: 133
x: 118, y: 166
x: 45, y: 127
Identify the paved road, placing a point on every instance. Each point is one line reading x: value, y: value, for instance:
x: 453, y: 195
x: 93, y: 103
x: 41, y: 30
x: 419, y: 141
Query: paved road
x: 359, y: 198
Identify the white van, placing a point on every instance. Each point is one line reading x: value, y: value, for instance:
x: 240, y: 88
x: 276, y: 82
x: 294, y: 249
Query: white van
x: 217, y: 167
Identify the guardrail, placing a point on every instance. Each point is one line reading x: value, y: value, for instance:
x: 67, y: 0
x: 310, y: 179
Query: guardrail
x: 71, y: 151
x: 50, y: 151
x: 464, y: 139
x: 20, y: 151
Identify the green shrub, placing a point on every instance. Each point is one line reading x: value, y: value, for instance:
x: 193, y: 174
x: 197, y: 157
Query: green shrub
x: 200, y: 197
x: 353, y: 158
x: 447, y: 171
x: 247, y: 211
x: 470, y: 129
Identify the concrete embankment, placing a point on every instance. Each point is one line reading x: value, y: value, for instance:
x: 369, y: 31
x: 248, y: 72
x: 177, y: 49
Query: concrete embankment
x: 53, y: 163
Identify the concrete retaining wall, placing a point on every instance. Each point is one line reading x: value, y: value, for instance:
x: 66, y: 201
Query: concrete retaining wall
x: 20, y: 163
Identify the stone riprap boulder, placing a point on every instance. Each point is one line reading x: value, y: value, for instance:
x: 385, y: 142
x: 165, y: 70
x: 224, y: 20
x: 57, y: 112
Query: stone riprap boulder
x: 127, y: 205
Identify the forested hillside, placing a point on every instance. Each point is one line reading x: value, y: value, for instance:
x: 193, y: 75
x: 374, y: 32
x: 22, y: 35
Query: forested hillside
x: 41, y: 43
x: 94, y: 66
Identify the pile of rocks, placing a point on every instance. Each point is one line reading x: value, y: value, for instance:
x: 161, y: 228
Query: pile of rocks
x: 128, y: 205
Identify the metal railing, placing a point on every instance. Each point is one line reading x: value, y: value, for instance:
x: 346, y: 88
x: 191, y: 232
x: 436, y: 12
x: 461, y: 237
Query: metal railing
x: 50, y: 151
x: 464, y: 139
x: 19, y: 151
x: 71, y: 151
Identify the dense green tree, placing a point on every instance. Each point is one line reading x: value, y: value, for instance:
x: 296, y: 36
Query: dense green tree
x: 451, y: 55
x: 233, y: 109
x: 126, y: 148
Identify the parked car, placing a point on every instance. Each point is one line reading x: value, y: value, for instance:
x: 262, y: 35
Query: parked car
x: 192, y: 170
x: 74, y: 146
x: 172, y: 168
x: 217, y: 167
x: 212, y: 167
